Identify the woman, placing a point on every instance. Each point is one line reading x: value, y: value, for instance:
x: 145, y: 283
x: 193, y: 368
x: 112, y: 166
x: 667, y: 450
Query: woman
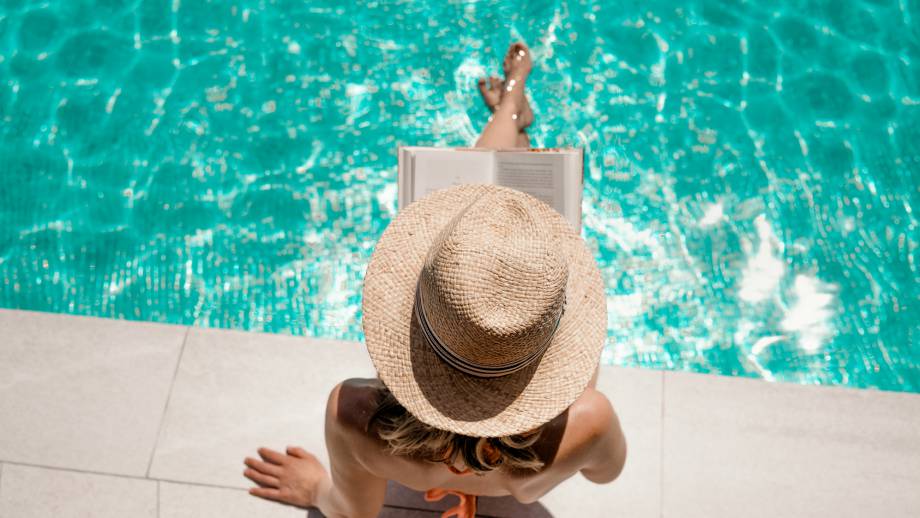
x: 484, y: 315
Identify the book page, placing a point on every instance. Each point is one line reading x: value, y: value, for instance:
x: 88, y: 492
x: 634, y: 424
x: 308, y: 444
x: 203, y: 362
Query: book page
x: 539, y: 174
x: 403, y: 176
x: 574, y: 186
x: 437, y: 169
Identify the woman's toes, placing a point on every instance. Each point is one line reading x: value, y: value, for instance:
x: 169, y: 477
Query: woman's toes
x: 495, y: 84
x: 520, y: 48
x: 517, y: 60
x: 483, y: 89
x: 491, y: 91
x: 522, y: 58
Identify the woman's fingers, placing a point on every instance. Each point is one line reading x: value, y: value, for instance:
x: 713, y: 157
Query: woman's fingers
x: 264, y: 467
x: 272, y: 455
x: 267, y: 493
x: 297, y: 451
x: 261, y: 478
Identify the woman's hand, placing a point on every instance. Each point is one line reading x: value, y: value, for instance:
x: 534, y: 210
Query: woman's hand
x: 294, y: 479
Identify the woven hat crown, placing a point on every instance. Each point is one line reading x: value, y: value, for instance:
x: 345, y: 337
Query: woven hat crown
x: 493, y: 283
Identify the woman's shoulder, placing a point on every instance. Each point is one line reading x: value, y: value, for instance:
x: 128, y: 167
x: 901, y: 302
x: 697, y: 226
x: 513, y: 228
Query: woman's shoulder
x: 354, y: 401
x: 593, y: 409
x: 589, y: 420
x: 597, y: 444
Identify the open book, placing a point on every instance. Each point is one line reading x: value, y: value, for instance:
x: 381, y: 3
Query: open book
x: 555, y: 176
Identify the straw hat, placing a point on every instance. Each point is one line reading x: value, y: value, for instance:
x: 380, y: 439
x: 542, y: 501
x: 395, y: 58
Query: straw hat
x: 484, y: 311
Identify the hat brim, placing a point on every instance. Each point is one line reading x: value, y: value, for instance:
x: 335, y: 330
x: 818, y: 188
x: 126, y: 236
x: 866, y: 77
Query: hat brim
x: 436, y: 393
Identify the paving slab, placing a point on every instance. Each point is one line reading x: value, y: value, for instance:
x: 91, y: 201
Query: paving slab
x: 90, y: 395
x: 190, y: 501
x: 236, y: 391
x: 83, y: 393
x: 32, y: 492
x: 636, y: 395
x: 741, y: 447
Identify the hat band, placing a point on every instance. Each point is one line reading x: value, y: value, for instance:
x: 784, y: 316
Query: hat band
x: 469, y: 367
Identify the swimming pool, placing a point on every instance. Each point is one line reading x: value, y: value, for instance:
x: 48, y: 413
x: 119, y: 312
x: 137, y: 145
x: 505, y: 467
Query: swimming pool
x: 751, y: 182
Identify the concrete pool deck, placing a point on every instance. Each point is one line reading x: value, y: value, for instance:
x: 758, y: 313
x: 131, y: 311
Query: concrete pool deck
x: 109, y: 418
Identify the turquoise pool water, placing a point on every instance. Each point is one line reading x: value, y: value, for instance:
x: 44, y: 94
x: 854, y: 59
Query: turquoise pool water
x: 752, y: 167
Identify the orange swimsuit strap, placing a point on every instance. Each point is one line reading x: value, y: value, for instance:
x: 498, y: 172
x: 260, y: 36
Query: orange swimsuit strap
x: 467, y: 506
x: 465, y: 509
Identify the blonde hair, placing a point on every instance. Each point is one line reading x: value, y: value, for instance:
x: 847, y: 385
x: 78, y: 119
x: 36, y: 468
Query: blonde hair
x: 407, y: 436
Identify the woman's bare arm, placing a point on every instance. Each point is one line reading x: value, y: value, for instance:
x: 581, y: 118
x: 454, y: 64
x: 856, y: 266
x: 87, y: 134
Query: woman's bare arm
x: 607, y: 453
x: 352, y: 491
x: 298, y: 478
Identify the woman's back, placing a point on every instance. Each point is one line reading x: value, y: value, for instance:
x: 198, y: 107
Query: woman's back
x: 586, y: 438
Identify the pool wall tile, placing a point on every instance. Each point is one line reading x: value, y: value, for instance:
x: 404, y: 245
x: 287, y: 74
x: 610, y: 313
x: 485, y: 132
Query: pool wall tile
x: 191, y: 501
x: 83, y: 393
x: 32, y: 492
x: 636, y: 395
x: 741, y: 447
x: 236, y: 391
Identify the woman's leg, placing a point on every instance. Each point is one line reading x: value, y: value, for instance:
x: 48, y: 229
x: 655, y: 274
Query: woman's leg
x: 501, y: 131
x: 522, y: 139
x: 511, y: 115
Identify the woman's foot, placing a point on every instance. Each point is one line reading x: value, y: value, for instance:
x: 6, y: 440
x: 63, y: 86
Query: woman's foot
x: 524, y: 117
x: 491, y: 91
x: 517, y: 66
